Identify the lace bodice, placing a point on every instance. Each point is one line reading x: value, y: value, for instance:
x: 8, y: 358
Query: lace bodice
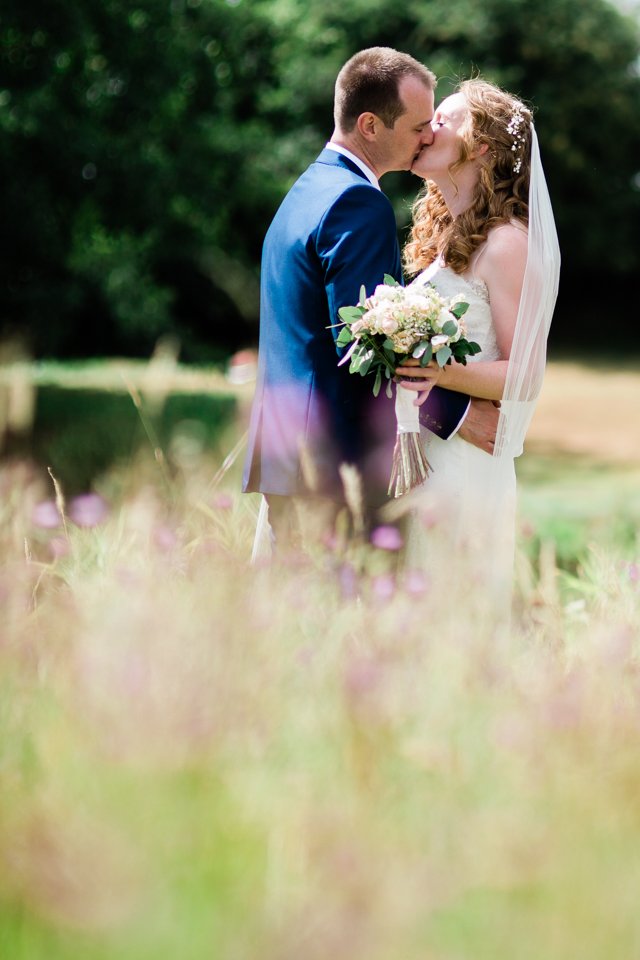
x: 477, y: 319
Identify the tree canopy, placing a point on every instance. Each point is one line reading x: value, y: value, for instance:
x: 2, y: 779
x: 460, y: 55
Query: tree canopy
x: 146, y: 146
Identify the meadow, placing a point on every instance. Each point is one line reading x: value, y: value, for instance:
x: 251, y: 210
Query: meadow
x: 207, y: 760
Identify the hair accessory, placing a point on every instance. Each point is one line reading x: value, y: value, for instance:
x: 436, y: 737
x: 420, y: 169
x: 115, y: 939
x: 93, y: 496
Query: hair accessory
x: 515, y: 128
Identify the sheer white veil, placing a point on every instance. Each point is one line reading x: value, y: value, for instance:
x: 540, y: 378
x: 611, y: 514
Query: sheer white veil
x: 527, y: 360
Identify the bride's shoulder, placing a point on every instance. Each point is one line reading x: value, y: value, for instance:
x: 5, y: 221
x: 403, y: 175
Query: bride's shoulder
x: 503, y: 257
x: 505, y: 247
x: 508, y: 238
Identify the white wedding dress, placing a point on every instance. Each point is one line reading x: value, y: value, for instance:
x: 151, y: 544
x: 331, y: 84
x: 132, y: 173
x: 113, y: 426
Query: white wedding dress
x: 462, y: 521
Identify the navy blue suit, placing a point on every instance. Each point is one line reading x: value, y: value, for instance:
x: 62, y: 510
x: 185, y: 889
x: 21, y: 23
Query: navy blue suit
x: 333, y: 232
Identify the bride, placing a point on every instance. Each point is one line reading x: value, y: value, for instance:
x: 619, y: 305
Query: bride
x: 484, y: 229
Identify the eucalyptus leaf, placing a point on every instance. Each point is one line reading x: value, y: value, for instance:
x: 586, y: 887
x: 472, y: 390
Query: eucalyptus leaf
x: 419, y: 349
x: 377, y: 383
x: 349, y: 314
x: 450, y: 328
x: 363, y: 295
x: 443, y: 356
x: 389, y: 389
x: 459, y: 309
x: 366, y: 363
x: 344, y: 337
x: 427, y: 356
x: 391, y: 281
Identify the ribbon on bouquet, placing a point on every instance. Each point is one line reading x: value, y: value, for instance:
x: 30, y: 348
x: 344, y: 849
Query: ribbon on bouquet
x: 410, y: 466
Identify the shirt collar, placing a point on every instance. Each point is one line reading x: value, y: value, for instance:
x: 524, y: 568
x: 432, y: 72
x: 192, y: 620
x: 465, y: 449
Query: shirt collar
x: 368, y: 172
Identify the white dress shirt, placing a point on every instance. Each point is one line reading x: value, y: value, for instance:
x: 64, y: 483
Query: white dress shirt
x: 368, y: 172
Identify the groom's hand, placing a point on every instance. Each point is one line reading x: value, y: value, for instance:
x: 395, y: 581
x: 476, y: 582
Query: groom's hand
x: 481, y: 423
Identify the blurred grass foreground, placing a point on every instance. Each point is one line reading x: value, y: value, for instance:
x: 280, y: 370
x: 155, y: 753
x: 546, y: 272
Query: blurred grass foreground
x: 203, y: 759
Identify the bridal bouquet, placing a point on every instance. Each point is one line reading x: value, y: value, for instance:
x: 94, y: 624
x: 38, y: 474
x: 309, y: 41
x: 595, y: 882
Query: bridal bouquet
x: 382, y: 330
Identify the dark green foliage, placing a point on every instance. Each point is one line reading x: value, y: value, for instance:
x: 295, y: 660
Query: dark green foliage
x: 80, y: 434
x: 145, y: 147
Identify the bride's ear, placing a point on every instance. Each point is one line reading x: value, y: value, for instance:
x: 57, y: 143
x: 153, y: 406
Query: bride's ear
x: 479, y: 151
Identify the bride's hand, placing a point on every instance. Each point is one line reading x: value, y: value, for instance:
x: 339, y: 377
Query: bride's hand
x: 423, y: 378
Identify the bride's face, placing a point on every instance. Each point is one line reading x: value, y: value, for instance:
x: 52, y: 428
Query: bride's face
x: 434, y: 161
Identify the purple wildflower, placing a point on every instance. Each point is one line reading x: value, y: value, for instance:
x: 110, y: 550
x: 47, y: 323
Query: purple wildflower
x: 88, y: 510
x: 416, y: 583
x: 387, y: 538
x: 45, y: 515
x: 348, y: 580
x: 383, y: 586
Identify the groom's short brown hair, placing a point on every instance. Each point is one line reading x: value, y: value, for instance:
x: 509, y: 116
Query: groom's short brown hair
x: 369, y: 82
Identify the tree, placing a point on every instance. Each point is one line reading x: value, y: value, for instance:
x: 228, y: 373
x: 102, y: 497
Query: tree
x: 146, y: 147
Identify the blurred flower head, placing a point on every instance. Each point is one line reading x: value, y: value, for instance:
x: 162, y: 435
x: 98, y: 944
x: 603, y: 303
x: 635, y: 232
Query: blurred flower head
x: 88, y: 510
x: 387, y: 537
x: 45, y: 515
x: 383, y: 586
x: 415, y: 582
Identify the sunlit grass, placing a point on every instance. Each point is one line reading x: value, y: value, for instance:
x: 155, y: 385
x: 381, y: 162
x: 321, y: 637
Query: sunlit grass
x: 203, y: 759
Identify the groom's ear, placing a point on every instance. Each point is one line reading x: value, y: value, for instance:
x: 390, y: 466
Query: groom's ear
x: 367, y: 124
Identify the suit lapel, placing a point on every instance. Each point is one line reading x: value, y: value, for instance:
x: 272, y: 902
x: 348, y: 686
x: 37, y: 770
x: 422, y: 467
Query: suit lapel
x: 333, y: 159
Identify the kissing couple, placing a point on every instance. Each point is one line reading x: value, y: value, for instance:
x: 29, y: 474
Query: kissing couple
x: 483, y: 230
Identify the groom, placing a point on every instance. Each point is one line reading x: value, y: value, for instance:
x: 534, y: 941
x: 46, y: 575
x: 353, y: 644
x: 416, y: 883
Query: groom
x: 335, y: 231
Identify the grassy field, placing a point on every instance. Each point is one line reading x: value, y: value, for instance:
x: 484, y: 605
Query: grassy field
x: 211, y: 761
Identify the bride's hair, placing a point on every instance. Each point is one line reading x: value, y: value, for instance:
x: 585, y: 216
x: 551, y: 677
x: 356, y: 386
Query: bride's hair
x: 501, y: 121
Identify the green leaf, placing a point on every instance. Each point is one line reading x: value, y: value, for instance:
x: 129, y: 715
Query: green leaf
x: 450, y: 328
x: 391, y: 281
x: 366, y: 363
x: 389, y: 389
x: 474, y: 348
x: 419, y: 349
x: 388, y: 345
x: 427, y: 356
x: 443, y: 356
x: 377, y: 383
x: 363, y: 295
x: 391, y: 357
x: 357, y: 357
x: 349, y: 314
x: 459, y: 309
x: 344, y: 337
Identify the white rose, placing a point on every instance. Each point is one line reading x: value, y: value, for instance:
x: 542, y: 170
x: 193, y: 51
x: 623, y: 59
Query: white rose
x: 385, y: 292
x: 389, y: 326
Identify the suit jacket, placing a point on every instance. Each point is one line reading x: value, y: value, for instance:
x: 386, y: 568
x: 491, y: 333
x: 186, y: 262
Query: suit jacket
x: 333, y: 232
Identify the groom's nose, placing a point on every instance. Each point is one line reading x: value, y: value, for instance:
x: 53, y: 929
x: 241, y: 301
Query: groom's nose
x: 427, y: 135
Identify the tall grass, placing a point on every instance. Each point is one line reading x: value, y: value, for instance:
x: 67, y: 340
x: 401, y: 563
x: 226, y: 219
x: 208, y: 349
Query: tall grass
x: 201, y: 759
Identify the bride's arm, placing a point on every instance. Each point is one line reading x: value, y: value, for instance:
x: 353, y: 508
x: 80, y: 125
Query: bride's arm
x: 502, y: 268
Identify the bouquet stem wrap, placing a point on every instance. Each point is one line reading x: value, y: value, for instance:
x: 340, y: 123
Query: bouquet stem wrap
x: 409, y: 467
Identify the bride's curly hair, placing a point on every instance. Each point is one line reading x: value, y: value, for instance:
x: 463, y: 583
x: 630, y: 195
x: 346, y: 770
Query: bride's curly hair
x: 502, y: 191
